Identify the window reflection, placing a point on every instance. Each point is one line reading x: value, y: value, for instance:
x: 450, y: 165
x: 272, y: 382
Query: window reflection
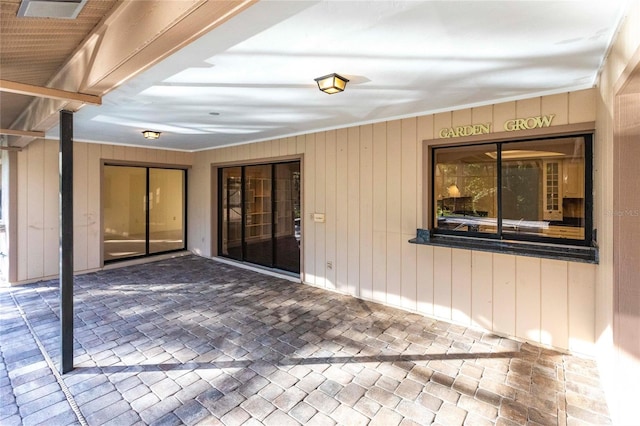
x: 542, y: 191
x: 124, y: 212
x: 143, y: 211
x: 231, y: 212
x: 465, y: 192
x: 166, y: 210
x: 543, y: 188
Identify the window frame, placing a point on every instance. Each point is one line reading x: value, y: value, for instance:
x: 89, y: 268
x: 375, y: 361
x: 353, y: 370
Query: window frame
x: 584, y: 250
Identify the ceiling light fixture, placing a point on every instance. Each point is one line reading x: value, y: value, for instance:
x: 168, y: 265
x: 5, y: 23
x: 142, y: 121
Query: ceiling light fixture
x: 332, y: 83
x: 151, y: 134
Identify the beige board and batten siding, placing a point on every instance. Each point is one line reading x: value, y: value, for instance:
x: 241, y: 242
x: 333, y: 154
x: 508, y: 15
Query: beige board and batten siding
x: 541, y: 300
x: 617, y: 302
x: 37, y: 234
x: 370, y: 183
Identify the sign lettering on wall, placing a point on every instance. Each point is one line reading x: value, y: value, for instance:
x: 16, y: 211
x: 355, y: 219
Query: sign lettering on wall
x: 537, y: 122
x: 528, y: 123
x: 469, y: 130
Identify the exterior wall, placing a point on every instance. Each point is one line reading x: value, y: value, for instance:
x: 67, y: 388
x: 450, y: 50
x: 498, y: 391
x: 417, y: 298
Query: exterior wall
x: 37, y: 240
x: 620, y: 368
x: 369, y: 182
x: 8, y: 235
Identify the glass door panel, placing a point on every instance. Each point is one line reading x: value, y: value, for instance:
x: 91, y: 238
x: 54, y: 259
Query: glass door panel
x: 124, y: 204
x: 287, y: 217
x: 259, y: 214
x: 166, y: 210
x: 258, y: 230
x: 231, y: 212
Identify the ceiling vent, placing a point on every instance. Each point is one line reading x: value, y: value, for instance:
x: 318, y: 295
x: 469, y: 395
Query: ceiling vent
x: 58, y: 9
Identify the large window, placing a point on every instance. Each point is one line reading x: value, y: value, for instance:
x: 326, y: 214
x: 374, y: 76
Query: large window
x: 143, y: 211
x: 536, y: 190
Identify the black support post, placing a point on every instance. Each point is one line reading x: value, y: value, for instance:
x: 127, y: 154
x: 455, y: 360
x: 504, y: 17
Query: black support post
x: 66, y: 241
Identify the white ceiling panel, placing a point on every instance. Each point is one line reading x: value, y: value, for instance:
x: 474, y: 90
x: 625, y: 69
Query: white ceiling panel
x: 256, y: 72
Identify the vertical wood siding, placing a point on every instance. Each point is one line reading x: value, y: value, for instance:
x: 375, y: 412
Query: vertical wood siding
x: 38, y: 209
x: 365, y: 222
x: 369, y: 182
x: 330, y: 225
x: 619, y: 366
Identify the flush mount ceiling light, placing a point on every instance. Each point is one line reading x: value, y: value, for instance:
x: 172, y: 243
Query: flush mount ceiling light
x: 332, y: 83
x: 151, y: 134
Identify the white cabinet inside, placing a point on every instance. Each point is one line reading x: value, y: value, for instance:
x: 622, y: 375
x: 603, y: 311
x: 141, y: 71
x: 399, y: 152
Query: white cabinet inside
x: 552, y: 190
x: 572, y: 179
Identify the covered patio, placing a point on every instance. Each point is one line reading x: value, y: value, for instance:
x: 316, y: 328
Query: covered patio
x: 190, y: 340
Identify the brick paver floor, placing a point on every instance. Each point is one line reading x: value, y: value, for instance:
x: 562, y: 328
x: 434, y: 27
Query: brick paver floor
x: 195, y: 341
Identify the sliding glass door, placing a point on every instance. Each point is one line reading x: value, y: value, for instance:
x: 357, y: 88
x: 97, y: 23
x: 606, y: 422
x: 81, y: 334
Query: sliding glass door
x: 143, y: 211
x: 286, y: 252
x: 260, y: 214
x: 124, y: 212
x: 231, y: 212
x: 258, y: 218
x: 166, y: 210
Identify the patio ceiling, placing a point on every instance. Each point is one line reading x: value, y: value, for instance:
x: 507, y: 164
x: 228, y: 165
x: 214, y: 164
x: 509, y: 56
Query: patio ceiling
x: 33, y: 49
x: 251, y: 78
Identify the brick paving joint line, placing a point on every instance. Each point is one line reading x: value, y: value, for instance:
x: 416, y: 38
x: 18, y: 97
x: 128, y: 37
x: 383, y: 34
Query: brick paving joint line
x: 190, y: 340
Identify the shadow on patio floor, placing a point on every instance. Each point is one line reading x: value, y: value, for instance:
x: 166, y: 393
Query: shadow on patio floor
x: 194, y: 341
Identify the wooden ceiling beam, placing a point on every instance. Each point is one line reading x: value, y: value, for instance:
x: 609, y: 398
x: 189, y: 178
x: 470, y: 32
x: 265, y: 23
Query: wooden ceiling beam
x: 48, y: 92
x: 28, y: 133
